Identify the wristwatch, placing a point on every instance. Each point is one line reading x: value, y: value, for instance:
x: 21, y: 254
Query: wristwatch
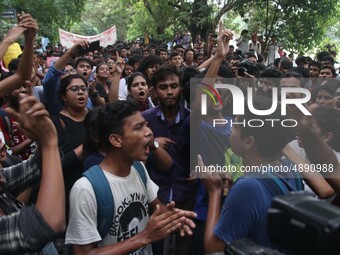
x: 155, y: 145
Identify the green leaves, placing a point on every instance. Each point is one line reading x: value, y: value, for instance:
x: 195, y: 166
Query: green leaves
x: 50, y: 14
x: 300, y: 24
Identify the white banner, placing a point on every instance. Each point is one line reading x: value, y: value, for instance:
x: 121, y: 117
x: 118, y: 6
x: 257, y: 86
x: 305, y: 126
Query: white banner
x: 106, y: 38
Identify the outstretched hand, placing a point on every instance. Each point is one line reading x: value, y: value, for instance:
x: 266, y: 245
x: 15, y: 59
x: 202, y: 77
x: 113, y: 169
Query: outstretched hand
x: 187, y: 224
x: 224, y: 36
x: 213, y: 181
x: 78, y: 46
x: 161, y: 225
x: 26, y: 21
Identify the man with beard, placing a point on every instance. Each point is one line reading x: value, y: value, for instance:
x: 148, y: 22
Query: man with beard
x: 166, y: 121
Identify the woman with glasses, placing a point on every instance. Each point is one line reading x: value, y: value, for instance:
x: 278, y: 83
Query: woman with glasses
x: 70, y: 127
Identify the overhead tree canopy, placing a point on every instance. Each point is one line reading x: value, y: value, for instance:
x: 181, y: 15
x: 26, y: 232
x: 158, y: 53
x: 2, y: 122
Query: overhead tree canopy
x: 300, y: 24
x: 50, y: 14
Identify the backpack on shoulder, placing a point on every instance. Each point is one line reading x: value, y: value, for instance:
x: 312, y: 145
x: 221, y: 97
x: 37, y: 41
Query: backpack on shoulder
x: 105, y: 200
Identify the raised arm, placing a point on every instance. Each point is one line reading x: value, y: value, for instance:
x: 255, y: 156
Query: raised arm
x: 73, y: 52
x: 35, y: 123
x: 214, y: 65
x: 320, y: 153
x: 29, y: 26
x: 213, y: 185
x: 314, y: 179
x: 114, y: 89
x: 10, y: 38
x: 33, y: 227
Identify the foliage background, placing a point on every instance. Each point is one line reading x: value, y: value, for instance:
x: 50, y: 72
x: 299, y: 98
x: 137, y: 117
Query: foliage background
x: 302, y: 25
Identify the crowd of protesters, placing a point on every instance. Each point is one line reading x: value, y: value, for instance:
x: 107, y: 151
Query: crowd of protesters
x: 133, y: 102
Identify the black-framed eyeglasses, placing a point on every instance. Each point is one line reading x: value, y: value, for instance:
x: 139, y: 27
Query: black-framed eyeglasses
x: 75, y: 89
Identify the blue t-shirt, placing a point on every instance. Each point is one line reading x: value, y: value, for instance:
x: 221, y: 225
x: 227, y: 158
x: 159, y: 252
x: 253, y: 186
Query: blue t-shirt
x: 211, y: 145
x: 244, y: 211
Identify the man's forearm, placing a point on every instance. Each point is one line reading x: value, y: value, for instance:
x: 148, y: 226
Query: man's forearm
x: 162, y: 159
x: 63, y: 60
x: 23, y: 73
x: 114, y: 89
x: 3, y: 47
x: 211, y: 242
x: 52, y: 187
x: 26, y: 62
x: 320, y: 153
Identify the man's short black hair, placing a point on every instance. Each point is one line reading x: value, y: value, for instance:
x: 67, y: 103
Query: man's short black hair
x: 163, y: 72
x: 300, y: 70
x: 301, y: 60
x: 285, y: 63
x: 330, y: 86
x: 292, y: 74
x: 134, y: 59
x: 269, y: 140
x: 328, y: 119
x: 13, y: 65
x: 174, y: 54
x: 111, y: 119
x: 314, y: 63
x: 162, y: 49
x: 329, y: 67
x: 178, y: 46
x: 321, y: 55
x: 328, y: 58
x: 87, y: 60
x: 149, y: 61
x: 271, y: 73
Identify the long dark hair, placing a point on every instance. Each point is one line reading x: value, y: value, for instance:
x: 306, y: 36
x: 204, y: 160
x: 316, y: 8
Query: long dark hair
x: 133, y: 76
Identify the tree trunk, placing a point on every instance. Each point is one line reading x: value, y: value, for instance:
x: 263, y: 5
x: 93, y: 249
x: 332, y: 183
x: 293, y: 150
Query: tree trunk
x: 200, y: 11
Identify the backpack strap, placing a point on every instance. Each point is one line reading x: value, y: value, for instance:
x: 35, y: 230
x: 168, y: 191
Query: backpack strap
x: 275, y: 186
x: 105, y: 200
x: 296, y: 174
x: 283, y: 188
x: 140, y: 170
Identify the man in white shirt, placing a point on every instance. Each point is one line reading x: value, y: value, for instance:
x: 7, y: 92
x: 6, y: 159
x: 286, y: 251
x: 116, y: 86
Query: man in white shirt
x: 126, y: 138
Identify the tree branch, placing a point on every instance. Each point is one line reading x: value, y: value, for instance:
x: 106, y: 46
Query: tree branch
x: 148, y: 7
x: 178, y: 6
x: 227, y: 7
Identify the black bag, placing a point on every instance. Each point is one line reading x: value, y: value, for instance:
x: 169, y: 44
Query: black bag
x: 303, y: 224
x: 248, y: 247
